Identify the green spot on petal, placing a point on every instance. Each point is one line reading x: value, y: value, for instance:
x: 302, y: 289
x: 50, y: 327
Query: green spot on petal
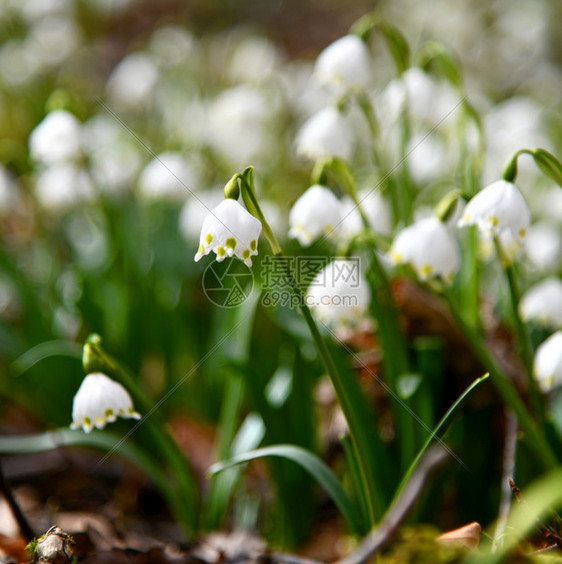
x: 220, y: 251
x: 246, y: 254
x: 208, y: 239
x: 108, y: 413
x: 231, y: 243
x: 253, y: 245
x: 87, y: 422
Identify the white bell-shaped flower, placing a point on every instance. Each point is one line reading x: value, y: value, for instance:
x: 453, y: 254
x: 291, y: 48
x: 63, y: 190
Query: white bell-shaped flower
x: 498, y: 207
x: 56, y: 139
x: 376, y: 209
x: 346, y: 62
x: 543, y: 303
x: 317, y: 212
x: 547, y: 366
x: 326, y: 134
x: 229, y: 230
x: 100, y: 400
x: 339, y: 295
x: 429, y: 247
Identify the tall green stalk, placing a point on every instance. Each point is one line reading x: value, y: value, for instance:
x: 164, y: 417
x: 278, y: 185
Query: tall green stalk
x: 359, y: 435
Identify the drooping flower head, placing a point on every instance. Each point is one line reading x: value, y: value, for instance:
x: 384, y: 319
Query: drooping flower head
x: 429, y: 247
x: 229, y: 230
x: 100, y: 400
x: 346, y: 62
x: 339, y: 295
x: 317, y: 212
x: 543, y: 303
x: 547, y: 366
x: 326, y: 134
x: 498, y: 207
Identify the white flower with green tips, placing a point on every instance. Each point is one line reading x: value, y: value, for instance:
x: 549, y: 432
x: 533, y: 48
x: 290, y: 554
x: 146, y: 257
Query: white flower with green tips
x: 100, y: 400
x: 317, y: 212
x: 498, y: 207
x: 429, y: 247
x: 547, y: 366
x: 229, y: 230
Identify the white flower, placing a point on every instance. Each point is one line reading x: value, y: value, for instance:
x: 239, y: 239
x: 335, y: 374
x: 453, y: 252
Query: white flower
x: 498, y: 207
x: 169, y: 176
x: 346, y: 62
x: 510, y: 246
x: 427, y: 158
x: 56, y: 139
x: 543, y: 246
x: 229, y: 230
x: 133, y: 80
x: 100, y: 400
x: 429, y: 247
x: 543, y: 303
x: 317, y: 212
x: 374, y: 206
x: 60, y: 187
x: 547, y: 366
x: 325, y: 134
x: 339, y: 295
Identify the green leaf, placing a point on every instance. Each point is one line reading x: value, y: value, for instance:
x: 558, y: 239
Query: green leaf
x: 45, y: 350
x: 549, y: 164
x: 312, y: 464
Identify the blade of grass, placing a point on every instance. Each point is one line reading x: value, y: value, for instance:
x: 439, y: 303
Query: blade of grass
x: 312, y: 464
x: 435, y: 432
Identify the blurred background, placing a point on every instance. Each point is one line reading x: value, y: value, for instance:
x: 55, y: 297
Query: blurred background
x: 151, y: 102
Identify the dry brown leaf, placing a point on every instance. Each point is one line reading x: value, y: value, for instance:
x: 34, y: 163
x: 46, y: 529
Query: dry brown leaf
x: 467, y: 536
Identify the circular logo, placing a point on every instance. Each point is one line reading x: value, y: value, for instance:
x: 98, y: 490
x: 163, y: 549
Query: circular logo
x: 228, y: 284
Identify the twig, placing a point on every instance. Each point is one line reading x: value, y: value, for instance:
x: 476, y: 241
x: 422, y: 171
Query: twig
x: 509, y: 448
x: 25, y: 528
x: 380, y: 535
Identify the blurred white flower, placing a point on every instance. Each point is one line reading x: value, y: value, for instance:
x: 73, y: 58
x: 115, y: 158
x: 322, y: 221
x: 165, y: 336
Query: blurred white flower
x: 17, y: 63
x: 429, y: 247
x: 339, y: 295
x: 428, y: 158
x: 229, y: 230
x: 52, y: 40
x: 543, y: 246
x: 498, y: 207
x: 547, y: 365
x: 317, y: 212
x: 325, y: 134
x: 508, y: 127
x: 376, y: 210
x: 169, y: 176
x: 510, y: 246
x: 239, y: 124
x: 114, y: 160
x: 100, y: 400
x: 132, y: 81
x: 60, y: 187
x: 543, y: 303
x: 195, y: 210
x: 345, y: 63
x: 254, y: 59
x: 56, y: 139
x: 173, y: 45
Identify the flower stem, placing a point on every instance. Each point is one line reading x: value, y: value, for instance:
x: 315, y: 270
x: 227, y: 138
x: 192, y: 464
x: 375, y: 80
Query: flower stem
x: 357, y: 432
x: 505, y: 388
x: 185, y: 506
x: 523, y: 336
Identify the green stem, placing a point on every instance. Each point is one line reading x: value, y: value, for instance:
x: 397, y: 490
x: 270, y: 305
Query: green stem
x: 185, y: 506
x: 506, y: 390
x: 359, y: 436
x: 522, y: 334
